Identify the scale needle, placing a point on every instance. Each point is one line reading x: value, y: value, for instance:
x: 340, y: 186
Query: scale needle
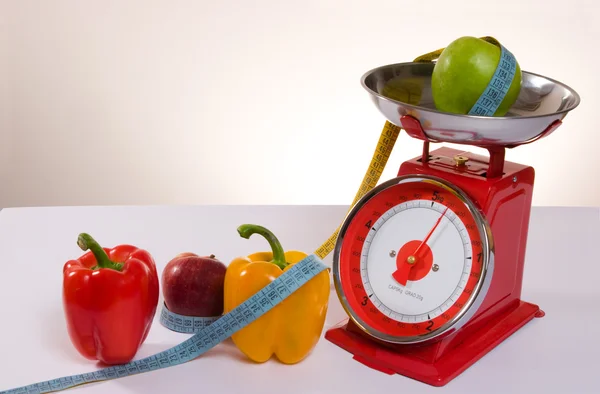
x: 430, y: 232
x: 401, y: 274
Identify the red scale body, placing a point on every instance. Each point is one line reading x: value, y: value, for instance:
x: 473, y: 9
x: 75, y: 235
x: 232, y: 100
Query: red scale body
x: 503, y: 192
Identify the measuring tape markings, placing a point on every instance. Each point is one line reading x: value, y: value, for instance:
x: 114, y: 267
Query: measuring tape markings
x: 185, y: 324
x: 494, y: 93
x: 205, y: 337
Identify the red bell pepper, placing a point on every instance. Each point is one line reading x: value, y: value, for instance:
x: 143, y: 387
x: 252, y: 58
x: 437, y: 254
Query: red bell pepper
x: 110, y: 297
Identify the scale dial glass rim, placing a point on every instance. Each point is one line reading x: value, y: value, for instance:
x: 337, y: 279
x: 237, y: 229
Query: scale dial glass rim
x: 476, y: 298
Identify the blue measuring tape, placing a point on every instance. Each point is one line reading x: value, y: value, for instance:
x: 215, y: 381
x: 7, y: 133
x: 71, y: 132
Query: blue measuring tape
x: 185, y: 324
x: 212, y: 332
x: 496, y: 90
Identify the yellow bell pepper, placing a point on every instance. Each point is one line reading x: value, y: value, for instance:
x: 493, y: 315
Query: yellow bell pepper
x: 291, y: 329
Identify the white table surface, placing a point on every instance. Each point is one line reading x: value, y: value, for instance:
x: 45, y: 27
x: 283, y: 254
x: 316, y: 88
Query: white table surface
x: 558, y: 353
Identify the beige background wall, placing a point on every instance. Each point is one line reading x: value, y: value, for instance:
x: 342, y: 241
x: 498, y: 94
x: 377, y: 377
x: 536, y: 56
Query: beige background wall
x: 253, y: 102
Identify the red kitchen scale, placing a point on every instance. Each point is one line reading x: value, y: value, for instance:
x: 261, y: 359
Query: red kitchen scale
x: 429, y: 265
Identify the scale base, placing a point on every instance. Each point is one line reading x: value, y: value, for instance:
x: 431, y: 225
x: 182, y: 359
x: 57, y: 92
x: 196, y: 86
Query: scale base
x: 453, y: 362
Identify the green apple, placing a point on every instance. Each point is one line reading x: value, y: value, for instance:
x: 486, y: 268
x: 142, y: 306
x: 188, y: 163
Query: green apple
x: 463, y: 71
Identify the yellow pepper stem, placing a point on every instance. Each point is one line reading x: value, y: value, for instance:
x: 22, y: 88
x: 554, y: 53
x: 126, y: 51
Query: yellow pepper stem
x: 246, y: 230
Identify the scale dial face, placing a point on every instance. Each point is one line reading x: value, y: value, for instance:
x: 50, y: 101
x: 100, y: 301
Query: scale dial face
x: 413, y: 260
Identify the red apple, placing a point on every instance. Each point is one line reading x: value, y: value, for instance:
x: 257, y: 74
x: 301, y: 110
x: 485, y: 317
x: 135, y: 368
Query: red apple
x: 192, y: 285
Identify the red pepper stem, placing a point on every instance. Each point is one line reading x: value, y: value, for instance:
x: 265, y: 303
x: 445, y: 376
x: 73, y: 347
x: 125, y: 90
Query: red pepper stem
x: 86, y: 242
x: 246, y: 230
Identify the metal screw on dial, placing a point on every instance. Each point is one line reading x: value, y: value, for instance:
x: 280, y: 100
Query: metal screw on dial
x: 435, y: 268
x: 393, y: 253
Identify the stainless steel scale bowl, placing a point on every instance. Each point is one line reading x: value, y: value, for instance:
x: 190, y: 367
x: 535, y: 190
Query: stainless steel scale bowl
x: 405, y: 89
